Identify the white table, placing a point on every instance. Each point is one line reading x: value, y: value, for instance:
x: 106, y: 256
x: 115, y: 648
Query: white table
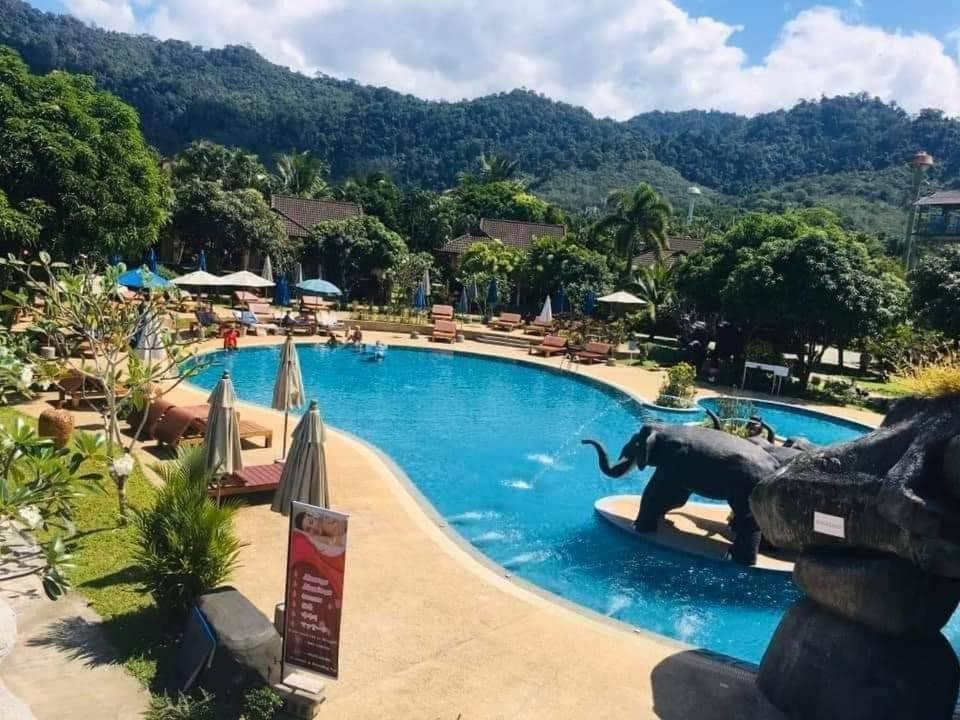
x: 779, y: 373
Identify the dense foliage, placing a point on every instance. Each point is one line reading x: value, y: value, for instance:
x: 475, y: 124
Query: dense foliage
x: 75, y: 173
x: 235, y: 97
x: 556, y: 264
x: 356, y: 253
x: 936, y: 290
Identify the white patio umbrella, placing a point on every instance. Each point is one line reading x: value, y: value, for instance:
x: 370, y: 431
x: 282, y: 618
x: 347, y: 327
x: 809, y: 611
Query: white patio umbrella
x: 267, y: 272
x: 621, y: 297
x: 200, y: 278
x: 297, y: 274
x: 426, y: 282
x: 546, y: 314
x: 245, y: 279
x: 288, y: 387
x: 304, y: 476
x: 150, y: 343
x: 223, y: 452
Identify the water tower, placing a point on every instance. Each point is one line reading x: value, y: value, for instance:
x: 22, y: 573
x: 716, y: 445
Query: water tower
x: 694, y: 192
x: 920, y: 163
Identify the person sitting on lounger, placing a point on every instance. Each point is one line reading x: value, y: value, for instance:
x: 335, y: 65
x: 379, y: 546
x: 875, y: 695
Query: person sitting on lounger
x: 287, y: 321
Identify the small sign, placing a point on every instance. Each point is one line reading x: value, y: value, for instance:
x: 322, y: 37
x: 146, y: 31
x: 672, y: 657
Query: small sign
x: 828, y: 524
x: 314, y: 596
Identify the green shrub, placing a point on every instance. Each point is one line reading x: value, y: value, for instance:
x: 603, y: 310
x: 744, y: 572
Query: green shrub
x: 261, y: 703
x: 187, y: 544
x: 678, y: 387
x: 816, y: 380
x: 183, y: 707
x: 762, y: 351
x: 840, y: 391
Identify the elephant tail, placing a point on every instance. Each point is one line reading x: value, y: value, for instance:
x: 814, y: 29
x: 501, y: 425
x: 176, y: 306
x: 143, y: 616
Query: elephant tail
x: 717, y: 425
x: 618, y: 470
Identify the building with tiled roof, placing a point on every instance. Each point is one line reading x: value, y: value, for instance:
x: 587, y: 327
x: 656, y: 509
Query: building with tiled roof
x: 679, y: 247
x: 512, y: 233
x: 301, y: 214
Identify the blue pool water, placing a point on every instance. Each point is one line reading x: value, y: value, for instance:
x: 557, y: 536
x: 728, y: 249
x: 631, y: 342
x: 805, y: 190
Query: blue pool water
x: 495, y: 447
x: 791, y: 421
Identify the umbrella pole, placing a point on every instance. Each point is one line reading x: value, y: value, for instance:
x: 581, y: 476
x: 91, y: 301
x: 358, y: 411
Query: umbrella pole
x: 286, y: 419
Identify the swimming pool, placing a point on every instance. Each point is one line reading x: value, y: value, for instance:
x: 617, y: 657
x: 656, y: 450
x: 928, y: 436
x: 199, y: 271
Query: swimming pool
x: 494, y: 445
x: 790, y: 420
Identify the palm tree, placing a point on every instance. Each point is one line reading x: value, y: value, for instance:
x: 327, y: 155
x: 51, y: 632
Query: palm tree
x: 301, y: 175
x: 638, y: 221
x: 655, y: 284
x: 494, y: 168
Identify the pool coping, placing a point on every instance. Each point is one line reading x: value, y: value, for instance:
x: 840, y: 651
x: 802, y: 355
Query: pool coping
x: 802, y: 409
x: 469, y: 556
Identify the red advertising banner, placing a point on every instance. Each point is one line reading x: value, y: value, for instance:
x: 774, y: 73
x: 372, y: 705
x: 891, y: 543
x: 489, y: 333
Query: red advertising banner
x: 314, y: 599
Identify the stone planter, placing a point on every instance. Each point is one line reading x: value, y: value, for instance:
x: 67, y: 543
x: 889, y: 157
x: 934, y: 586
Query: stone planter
x: 56, y: 424
x: 48, y: 352
x: 611, y: 362
x: 460, y: 337
x: 414, y: 335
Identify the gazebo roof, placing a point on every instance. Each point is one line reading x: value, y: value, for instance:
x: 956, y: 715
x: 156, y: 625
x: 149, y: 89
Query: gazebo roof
x: 942, y: 198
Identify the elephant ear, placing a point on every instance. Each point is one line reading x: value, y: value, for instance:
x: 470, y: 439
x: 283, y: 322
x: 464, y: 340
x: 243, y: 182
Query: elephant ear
x: 642, y: 446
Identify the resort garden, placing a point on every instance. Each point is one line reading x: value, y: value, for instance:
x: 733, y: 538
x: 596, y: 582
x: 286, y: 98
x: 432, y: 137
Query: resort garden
x: 128, y: 281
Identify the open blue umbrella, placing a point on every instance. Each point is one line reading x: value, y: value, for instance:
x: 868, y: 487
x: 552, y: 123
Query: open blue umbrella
x: 202, y: 261
x: 590, y: 303
x: 420, y: 298
x: 114, y: 259
x: 140, y: 279
x: 152, y: 260
x: 319, y: 287
x: 492, y: 292
x: 281, y: 292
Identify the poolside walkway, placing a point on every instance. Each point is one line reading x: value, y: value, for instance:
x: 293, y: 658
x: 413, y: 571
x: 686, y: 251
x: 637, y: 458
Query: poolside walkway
x: 431, y: 630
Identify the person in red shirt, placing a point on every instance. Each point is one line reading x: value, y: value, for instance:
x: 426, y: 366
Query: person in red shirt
x: 230, y: 336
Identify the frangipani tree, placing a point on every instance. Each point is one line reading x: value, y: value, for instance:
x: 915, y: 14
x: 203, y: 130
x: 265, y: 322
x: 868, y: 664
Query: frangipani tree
x: 93, y: 331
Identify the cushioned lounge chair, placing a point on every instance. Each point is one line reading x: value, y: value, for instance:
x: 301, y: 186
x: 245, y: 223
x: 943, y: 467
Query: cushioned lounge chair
x: 551, y: 345
x: 187, y: 425
x: 254, y: 479
x: 539, y: 327
x: 445, y: 330
x: 313, y: 302
x: 594, y: 352
x: 441, y: 312
x: 506, y: 321
x: 155, y: 410
x: 207, y: 319
x: 242, y: 297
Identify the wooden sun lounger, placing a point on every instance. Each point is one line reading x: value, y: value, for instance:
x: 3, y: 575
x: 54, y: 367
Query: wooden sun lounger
x: 187, y: 425
x: 444, y: 330
x: 255, y: 479
x: 594, y: 352
x: 262, y: 311
x: 205, y: 319
x: 155, y: 410
x: 506, y: 321
x: 242, y: 297
x: 551, y: 345
x: 80, y: 387
x: 539, y: 327
x: 441, y: 312
x: 313, y: 302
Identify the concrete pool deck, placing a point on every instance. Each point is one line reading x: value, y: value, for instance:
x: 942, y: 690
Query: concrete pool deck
x: 432, y: 630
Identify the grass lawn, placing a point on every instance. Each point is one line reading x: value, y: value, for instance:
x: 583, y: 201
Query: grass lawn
x: 105, y: 573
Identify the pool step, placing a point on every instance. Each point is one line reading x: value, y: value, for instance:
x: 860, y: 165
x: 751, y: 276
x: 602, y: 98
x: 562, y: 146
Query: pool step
x: 505, y: 340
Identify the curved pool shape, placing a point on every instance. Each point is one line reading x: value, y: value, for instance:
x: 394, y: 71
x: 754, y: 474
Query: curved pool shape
x: 792, y: 421
x: 495, y: 447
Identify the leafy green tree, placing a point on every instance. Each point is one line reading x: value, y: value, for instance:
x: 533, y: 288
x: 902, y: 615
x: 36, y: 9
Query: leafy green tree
x: 407, y: 273
x: 302, y: 175
x: 357, y: 249
x: 76, y: 172
x: 378, y: 195
x: 487, y: 261
x: 655, y: 285
x: 229, y: 225
x: 233, y: 168
x: 816, y: 290
x: 554, y: 263
x: 935, y: 285
x: 494, y: 168
x: 638, y: 221
x: 427, y: 219
x: 504, y: 199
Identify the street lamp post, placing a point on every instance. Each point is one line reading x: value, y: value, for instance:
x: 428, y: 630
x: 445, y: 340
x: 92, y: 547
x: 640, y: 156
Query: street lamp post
x: 694, y: 193
x: 919, y: 164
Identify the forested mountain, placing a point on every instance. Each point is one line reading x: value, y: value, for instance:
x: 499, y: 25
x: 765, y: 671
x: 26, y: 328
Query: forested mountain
x: 235, y: 97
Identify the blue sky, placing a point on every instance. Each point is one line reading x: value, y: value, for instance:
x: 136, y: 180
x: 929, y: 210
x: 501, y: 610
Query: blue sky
x: 614, y: 57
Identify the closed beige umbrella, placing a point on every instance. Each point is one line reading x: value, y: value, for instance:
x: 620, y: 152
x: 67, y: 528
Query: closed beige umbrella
x: 288, y: 387
x: 223, y: 456
x: 304, y: 476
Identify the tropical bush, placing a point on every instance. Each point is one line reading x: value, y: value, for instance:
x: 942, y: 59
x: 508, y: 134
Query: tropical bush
x: 765, y: 352
x: 841, y: 392
x: 935, y: 379
x: 678, y: 387
x: 187, y: 543
x: 38, y: 486
x: 260, y: 703
x: 182, y: 707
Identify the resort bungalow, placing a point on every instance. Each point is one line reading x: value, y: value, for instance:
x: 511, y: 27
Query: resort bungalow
x: 938, y: 218
x: 513, y: 233
x: 680, y: 247
x: 300, y: 215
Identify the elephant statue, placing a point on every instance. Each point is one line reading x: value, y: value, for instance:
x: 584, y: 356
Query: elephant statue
x: 764, y: 436
x: 695, y: 459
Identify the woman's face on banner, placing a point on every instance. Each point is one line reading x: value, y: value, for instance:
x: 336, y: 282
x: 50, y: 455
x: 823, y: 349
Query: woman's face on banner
x: 332, y: 527
x: 312, y: 525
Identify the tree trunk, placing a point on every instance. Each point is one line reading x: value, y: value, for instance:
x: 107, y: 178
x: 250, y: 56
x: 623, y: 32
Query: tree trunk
x: 121, y: 484
x: 840, y: 358
x: 245, y: 259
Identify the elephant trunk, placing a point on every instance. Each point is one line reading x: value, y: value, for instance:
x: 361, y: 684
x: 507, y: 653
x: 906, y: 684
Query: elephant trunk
x: 619, y: 470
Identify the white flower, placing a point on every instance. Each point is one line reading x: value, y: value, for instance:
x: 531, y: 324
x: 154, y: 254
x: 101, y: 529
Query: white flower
x: 122, y: 465
x: 31, y: 516
x: 26, y: 376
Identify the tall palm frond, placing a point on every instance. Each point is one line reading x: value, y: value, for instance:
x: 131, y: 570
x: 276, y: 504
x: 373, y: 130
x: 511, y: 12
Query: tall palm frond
x: 638, y: 220
x: 301, y: 175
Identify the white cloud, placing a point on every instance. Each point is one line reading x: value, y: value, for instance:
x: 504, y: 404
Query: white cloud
x: 615, y: 57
